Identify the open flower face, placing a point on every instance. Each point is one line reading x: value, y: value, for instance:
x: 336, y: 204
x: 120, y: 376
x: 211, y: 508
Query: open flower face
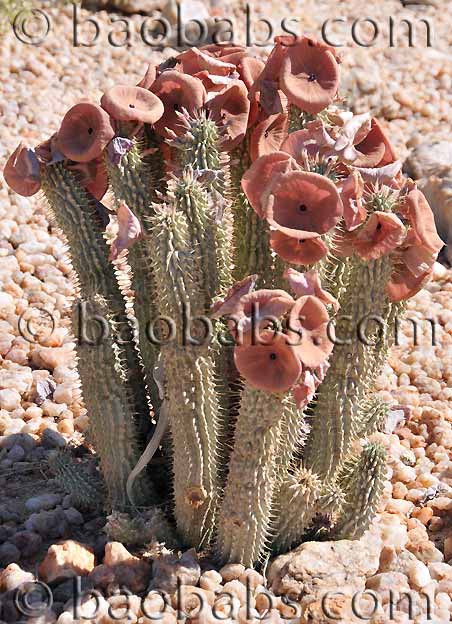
x: 308, y: 331
x: 303, y: 204
x: 261, y: 175
x: 271, y: 365
x: 309, y: 75
x: 85, y: 132
x: 298, y: 250
x: 382, y: 233
x: 268, y: 135
x: 177, y: 92
x: 132, y: 104
x: 230, y: 109
x: 22, y: 171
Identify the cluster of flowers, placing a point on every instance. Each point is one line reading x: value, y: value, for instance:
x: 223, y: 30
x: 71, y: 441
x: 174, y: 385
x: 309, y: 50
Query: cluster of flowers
x: 333, y: 186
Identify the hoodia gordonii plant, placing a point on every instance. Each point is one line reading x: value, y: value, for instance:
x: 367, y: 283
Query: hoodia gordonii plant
x: 243, y: 247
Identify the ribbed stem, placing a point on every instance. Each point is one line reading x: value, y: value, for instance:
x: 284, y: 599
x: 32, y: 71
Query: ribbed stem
x: 108, y: 362
x: 136, y: 182
x: 245, y: 516
x: 352, y: 367
x: 190, y: 397
x: 362, y: 480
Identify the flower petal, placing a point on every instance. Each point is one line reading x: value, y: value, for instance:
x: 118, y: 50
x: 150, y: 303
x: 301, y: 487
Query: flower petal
x: 22, y: 171
x: 271, y: 365
x: 309, y: 75
x: 298, y: 250
x: 382, y: 233
x: 85, y: 132
x: 304, y: 204
x: 132, y: 104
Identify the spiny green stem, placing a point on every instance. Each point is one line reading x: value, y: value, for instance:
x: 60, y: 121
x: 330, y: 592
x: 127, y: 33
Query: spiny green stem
x: 108, y: 364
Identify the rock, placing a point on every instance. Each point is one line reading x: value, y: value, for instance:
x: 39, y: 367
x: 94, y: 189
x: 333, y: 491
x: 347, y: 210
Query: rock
x: 13, y: 576
x: 51, y: 357
x: 232, y: 571
x: 16, y: 454
x: 73, y: 516
x: 66, y: 560
x: 384, y: 581
x: 52, y: 439
x: 28, y: 542
x: 25, y: 440
x: 49, y: 524
x: 8, y: 554
x: 167, y: 569
x: 418, y: 575
x: 130, y: 571
x: 319, y: 566
x: 426, y: 552
x: 16, y: 377
x: 9, y: 399
x: 392, y: 531
x: 448, y: 548
x: 210, y: 579
x: 44, y: 501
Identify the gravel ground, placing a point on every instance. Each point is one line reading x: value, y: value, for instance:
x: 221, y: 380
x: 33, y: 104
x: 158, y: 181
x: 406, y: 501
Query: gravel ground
x: 40, y: 405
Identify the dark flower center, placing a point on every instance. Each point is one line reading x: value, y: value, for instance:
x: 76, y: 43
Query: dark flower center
x: 131, y: 105
x: 302, y: 208
x: 302, y: 240
x: 312, y: 77
x: 266, y: 134
x: 379, y: 226
x: 273, y: 356
x: 316, y: 341
x: 90, y: 130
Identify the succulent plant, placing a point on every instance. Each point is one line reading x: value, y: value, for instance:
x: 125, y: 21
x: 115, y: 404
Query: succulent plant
x: 265, y: 242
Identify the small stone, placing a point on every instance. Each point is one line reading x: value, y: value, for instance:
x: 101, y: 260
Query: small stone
x: 16, y: 454
x: 13, y: 577
x: 73, y: 516
x: 65, y: 560
x: 28, y: 542
x: 448, y: 548
x: 232, y: 571
x: 426, y: 552
x: 52, y: 439
x: 44, y: 501
x: 252, y: 579
x: 9, y: 399
x: 8, y: 554
x: 423, y: 514
x: 384, y: 581
x: 129, y: 570
x: 170, y: 569
x: 211, y: 579
x: 399, y: 490
x: 26, y: 441
x: 418, y: 575
x: 399, y: 506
